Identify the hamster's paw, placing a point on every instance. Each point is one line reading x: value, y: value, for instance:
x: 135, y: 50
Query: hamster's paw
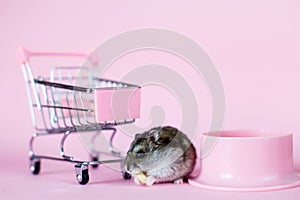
x: 150, y: 180
x: 178, y: 181
x: 140, y: 178
x: 137, y: 180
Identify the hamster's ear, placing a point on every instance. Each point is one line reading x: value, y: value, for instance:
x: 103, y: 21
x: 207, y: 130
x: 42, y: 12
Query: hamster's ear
x: 154, y: 135
x: 170, y: 129
x: 138, y: 135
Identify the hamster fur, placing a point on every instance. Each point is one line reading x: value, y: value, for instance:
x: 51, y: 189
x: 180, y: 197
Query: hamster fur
x: 162, y: 154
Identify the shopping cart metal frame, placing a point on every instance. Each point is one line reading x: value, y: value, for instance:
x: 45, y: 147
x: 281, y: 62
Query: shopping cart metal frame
x: 67, y: 115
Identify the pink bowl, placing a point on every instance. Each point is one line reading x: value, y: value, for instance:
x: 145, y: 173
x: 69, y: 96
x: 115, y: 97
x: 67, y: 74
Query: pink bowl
x: 246, y: 161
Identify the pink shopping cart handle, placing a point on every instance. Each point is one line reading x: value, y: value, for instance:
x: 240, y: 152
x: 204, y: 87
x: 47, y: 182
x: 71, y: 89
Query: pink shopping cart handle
x: 23, y: 55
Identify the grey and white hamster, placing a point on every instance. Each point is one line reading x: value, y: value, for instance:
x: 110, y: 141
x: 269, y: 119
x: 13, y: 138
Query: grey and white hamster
x: 162, y: 154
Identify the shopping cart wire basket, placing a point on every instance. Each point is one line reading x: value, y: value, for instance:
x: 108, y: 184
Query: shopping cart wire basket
x: 60, y: 106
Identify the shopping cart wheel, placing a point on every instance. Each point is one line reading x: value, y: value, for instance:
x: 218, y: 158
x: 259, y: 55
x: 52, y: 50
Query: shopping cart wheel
x: 126, y: 176
x: 35, y: 166
x: 95, y: 165
x: 82, y: 173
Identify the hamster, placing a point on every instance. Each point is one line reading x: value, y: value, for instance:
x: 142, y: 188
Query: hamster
x: 162, y: 154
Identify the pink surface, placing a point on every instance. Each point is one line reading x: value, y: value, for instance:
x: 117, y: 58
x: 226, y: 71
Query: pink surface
x: 255, y: 46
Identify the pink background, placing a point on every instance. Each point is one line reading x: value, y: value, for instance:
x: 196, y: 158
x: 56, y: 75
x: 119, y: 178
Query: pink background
x: 254, y: 45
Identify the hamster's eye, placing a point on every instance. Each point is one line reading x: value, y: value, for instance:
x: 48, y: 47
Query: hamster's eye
x: 140, y: 153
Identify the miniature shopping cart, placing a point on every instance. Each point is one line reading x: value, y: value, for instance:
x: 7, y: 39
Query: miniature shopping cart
x: 59, y: 105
